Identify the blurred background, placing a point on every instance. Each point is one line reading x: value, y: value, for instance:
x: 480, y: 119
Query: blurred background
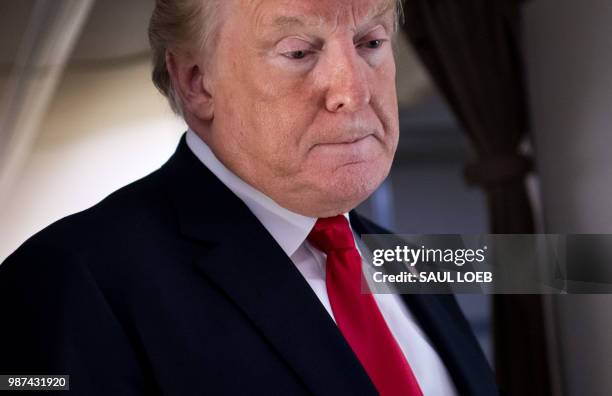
x: 79, y: 118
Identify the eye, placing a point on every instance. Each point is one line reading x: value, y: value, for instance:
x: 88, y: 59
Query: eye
x: 373, y: 44
x: 298, y: 49
x: 299, y: 54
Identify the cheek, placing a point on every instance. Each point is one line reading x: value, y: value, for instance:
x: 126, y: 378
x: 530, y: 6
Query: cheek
x: 384, y: 103
x: 282, y: 112
x: 274, y: 134
x: 267, y: 111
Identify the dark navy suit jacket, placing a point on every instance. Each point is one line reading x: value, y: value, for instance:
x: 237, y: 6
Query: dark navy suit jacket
x: 172, y: 286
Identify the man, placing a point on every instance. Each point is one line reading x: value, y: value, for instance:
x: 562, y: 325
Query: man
x: 233, y: 269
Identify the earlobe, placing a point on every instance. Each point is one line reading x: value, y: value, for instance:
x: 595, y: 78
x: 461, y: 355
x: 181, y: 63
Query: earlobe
x: 188, y: 79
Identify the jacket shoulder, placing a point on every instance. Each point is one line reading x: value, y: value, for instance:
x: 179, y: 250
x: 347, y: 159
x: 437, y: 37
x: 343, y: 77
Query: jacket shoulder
x: 129, y: 213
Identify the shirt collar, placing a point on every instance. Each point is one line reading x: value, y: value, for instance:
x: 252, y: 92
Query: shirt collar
x: 288, y: 228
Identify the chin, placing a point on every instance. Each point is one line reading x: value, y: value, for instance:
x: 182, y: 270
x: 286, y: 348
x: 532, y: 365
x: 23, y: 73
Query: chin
x: 344, y: 192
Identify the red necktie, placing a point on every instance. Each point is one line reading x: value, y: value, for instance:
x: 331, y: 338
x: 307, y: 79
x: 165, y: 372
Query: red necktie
x: 357, y: 314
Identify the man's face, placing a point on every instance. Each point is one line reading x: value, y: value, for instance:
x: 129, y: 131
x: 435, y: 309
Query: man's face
x: 305, y: 107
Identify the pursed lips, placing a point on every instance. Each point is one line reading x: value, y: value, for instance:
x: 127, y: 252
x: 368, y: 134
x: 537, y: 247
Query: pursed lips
x: 346, y: 141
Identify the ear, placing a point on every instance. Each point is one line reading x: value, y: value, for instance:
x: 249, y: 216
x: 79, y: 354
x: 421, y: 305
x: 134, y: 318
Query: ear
x: 190, y: 83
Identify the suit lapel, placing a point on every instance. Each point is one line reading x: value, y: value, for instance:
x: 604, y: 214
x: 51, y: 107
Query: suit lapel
x: 267, y: 287
x: 440, y: 318
x: 244, y: 261
x: 454, y: 342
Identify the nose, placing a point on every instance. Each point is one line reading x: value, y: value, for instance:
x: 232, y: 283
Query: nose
x: 348, y: 89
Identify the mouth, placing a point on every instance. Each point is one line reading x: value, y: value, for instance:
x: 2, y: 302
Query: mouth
x: 346, y: 141
x: 350, y: 150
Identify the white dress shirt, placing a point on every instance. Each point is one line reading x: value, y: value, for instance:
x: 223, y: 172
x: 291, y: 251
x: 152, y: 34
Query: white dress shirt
x: 290, y: 231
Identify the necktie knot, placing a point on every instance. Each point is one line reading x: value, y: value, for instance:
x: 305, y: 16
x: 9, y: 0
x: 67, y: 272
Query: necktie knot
x: 332, y: 233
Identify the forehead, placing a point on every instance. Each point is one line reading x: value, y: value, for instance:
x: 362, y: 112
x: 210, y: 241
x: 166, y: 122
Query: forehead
x: 276, y: 13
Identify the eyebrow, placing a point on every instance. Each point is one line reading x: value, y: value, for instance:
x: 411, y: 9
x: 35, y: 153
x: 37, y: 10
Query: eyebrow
x: 380, y: 10
x: 285, y: 21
